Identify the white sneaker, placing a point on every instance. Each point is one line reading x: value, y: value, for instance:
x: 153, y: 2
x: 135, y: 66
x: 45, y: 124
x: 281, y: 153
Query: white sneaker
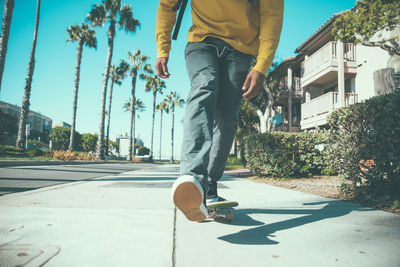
x: 215, y: 200
x: 188, y: 196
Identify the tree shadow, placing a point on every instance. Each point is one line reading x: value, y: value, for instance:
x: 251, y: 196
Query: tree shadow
x: 260, y: 235
x: 102, y: 171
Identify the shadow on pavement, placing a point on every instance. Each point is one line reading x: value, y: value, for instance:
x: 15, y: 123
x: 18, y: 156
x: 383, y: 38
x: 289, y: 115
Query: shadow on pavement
x: 37, y: 179
x: 8, y: 190
x: 260, y: 235
x: 102, y: 171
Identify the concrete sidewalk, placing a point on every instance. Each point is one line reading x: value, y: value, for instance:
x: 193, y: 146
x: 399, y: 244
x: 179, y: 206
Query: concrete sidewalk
x: 127, y: 220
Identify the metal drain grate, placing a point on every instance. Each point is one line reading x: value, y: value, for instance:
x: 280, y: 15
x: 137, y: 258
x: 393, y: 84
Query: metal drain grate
x: 17, y: 257
x: 148, y: 185
x: 25, y: 255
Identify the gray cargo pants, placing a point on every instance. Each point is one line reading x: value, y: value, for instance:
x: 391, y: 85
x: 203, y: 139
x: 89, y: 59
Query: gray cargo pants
x: 217, y: 73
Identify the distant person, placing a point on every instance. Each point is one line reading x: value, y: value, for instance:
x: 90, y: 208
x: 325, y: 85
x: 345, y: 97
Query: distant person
x: 224, y: 38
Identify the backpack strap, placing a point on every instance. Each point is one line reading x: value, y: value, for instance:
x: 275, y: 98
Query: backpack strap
x: 181, y: 5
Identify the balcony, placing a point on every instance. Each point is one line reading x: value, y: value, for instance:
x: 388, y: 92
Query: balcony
x: 322, y: 66
x: 284, y: 90
x: 315, y: 113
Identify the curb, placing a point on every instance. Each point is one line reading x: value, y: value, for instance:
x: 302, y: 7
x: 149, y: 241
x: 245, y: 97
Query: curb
x: 11, y: 163
x: 239, y: 173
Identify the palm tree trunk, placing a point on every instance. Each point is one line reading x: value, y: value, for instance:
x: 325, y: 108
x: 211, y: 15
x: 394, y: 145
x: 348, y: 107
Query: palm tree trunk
x: 21, y: 139
x: 152, y: 124
x: 100, y: 141
x: 74, y: 105
x: 134, y: 128
x: 160, y: 130
x: 5, y: 32
x: 172, y: 133
x: 132, y: 132
x: 109, y: 113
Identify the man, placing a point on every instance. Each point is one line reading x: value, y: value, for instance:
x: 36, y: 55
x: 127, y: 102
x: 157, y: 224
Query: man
x: 224, y: 38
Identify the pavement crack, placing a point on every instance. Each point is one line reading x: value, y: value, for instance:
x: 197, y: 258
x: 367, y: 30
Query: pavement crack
x: 174, y: 241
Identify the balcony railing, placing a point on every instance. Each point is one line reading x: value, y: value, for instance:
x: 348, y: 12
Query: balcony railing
x: 324, y: 55
x: 318, y: 108
x: 295, y: 84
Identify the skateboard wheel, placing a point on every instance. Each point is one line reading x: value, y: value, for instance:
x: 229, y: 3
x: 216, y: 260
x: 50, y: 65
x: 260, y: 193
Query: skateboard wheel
x: 229, y: 216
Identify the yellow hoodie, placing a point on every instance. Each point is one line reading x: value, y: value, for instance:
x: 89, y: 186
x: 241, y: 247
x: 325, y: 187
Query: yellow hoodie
x: 251, y: 28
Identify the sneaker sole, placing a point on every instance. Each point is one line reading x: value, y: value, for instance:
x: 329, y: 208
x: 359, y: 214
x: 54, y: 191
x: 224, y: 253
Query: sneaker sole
x: 188, y: 199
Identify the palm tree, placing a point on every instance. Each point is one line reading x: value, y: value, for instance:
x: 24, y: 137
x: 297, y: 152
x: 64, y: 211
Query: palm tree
x: 139, y: 106
x: 173, y: 100
x: 163, y: 106
x: 87, y: 37
x: 155, y: 85
x: 138, y: 66
x: 113, y: 12
x: 21, y: 138
x: 5, y: 32
x: 117, y: 74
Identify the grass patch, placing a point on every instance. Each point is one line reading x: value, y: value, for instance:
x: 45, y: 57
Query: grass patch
x: 27, y: 158
x: 234, y: 163
x: 234, y: 166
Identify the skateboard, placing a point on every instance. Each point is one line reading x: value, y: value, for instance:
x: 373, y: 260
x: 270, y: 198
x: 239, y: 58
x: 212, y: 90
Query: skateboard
x: 217, y: 210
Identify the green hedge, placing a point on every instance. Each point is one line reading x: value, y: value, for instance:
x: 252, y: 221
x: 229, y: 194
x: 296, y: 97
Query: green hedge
x: 10, y: 151
x: 280, y: 154
x: 366, y: 142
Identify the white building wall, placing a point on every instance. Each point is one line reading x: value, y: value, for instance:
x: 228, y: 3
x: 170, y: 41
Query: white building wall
x: 124, y: 147
x: 369, y: 59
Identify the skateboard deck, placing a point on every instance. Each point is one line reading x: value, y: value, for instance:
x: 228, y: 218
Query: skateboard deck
x: 217, y: 210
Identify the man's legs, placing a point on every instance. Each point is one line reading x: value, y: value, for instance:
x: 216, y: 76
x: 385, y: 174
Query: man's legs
x: 234, y: 69
x: 217, y: 73
x: 202, y: 65
x: 190, y: 188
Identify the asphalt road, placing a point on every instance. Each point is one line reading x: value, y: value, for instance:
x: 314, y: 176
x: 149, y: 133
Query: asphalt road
x: 23, y: 178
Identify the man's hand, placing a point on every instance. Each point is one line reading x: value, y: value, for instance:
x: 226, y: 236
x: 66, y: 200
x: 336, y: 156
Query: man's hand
x: 162, y: 68
x: 253, y: 84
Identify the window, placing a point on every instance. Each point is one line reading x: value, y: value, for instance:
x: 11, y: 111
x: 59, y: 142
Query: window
x: 296, y: 114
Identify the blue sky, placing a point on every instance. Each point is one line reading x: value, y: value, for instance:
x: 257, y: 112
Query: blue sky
x: 53, y: 81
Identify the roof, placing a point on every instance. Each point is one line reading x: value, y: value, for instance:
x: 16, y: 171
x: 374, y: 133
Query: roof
x: 286, y: 61
x: 319, y: 30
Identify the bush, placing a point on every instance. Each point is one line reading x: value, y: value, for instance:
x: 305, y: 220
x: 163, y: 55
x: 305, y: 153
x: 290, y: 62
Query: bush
x: 396, y: 205
x: 34, y: 143
x: 141, y: 150
x: 12, y: 151
x: 35, y: 152
x: 89, y: 142
x: 67, y: 155
x: 366, y: 143
x: 280, y: 154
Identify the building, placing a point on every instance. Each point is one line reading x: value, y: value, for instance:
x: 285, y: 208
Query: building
x: 40, y: 125
x: 62, y: 124
x: 123, y: 142
x: 326, y: 75
x: 290, y: 96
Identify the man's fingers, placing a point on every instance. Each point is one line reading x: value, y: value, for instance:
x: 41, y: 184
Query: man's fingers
x: 158, y: 68
x: 254, y: 83
x: 250, y: 93
x: 246, y: 83
x: 161, y: 68
x: 165, y: 68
